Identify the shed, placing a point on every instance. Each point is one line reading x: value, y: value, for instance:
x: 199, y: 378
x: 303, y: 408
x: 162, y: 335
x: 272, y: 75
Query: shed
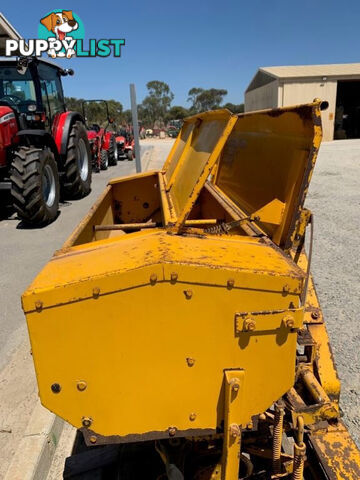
x: 338, y: 84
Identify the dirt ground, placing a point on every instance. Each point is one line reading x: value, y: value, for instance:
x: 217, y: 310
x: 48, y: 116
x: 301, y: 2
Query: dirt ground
x: 334, y: 198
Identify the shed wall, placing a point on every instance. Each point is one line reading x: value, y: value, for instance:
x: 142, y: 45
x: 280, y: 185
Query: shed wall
x: 294, y: 92
x: 262, y: 97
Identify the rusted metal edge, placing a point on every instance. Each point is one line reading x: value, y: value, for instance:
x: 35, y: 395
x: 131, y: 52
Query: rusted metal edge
x: 92, y: 438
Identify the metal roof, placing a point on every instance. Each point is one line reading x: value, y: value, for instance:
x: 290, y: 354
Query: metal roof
x: 332, y: 70
x: 7, y: 31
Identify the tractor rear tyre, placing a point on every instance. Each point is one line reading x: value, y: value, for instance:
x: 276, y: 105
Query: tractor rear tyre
x: 104, y: 160
x: 35, y: 185
x: 78, y: 168
x: 113, y: 152
x: 130, y: 155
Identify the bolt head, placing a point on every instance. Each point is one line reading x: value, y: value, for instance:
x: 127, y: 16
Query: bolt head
x: 172, y: 431
x: 190, y: 361
x: 81, y: 386
x: 235, y: 385
x: 86, y: 422
x: 93, y: 439
x: 249, y: 324
x: 56, y: 388
x: 38, y: 305
x: 286, y: 288
x: 289, y: 321
x: 192, y: 417
x: 96, y: 292
x: 173, y: 276
x: 153, y: 278
x: 188, y: 294
x: 230, y: 283
x: 315, y: 315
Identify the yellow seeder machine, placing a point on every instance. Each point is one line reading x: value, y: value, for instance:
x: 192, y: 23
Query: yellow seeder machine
x: 179, y: 323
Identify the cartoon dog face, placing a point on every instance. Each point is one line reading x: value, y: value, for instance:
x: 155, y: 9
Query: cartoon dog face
x: 60, y: 23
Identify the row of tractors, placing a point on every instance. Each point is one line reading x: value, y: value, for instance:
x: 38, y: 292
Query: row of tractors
x: 47, y: 153
x: 108, y: 145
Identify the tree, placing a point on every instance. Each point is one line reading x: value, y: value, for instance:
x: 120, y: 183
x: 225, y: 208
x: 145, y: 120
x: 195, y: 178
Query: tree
x: 156, y: 105
x: 177, y: 113
x: 96, y: 112
x: 234, y: 108
x: 203, y: 100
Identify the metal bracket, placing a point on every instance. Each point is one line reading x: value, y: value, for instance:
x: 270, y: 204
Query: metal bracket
x: 233, y: 389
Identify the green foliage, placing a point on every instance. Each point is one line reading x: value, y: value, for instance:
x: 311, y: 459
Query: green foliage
x: 202, y: 100
x: 156, y: 104
x: 155, y: 110
x: 234, y: 108
x: 177, y: 113
x: 95, y: 112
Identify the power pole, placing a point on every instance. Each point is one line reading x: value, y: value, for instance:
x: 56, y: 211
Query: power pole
x: 135, y: 127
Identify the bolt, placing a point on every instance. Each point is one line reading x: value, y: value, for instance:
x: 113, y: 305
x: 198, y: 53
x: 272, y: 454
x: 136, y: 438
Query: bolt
x: 286, y: 288
x: 235, y: 385
x: 81, y: 386
x: 38, y: 305
x: 93, y: 439
x: 249, y: 324
x: 315, y: 315
x: 153, y: 278
x: 288, y: 321
x: 234, y: 430
x: 56, y: 387
x: 86, y: 421
x: 230, y: 283
x: 173, y: 277
x: 172, y: 431
x: 250, y: 426
x: 96, y: 292
x: 190, y: 361
x: 188, y: 294
x: 192, y: 417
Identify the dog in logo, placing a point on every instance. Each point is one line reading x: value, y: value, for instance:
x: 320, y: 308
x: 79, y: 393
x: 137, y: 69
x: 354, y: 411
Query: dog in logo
x: 61, y: 24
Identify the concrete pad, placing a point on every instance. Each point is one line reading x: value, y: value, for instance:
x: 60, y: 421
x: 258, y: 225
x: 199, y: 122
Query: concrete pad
x: 35, y: 452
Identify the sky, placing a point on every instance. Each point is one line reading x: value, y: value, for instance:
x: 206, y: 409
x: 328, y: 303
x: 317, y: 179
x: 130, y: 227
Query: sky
x: 196, y: 43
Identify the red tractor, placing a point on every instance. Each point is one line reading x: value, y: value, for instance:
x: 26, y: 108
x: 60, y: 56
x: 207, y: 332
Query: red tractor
x: 44, y: 150
x: 125, y: 145
x: 102, y: 141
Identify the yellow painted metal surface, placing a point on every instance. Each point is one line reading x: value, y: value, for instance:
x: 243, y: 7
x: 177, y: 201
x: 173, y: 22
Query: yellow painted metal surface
x: 108, y: 309
x: 271, y: 155
x: 141, y: 335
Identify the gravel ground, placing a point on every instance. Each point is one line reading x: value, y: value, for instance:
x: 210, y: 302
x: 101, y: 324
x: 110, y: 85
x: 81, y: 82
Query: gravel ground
x: 334, y: 198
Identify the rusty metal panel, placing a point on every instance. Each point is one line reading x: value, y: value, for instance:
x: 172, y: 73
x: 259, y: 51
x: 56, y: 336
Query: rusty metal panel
x: 271, y: 155
x: 337, y: 452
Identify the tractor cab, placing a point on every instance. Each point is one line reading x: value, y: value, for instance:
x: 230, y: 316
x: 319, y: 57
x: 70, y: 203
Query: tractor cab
x: 32, y: 89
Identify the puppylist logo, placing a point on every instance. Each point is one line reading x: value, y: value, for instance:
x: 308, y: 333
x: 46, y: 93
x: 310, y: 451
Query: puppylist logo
x: 61, y: 34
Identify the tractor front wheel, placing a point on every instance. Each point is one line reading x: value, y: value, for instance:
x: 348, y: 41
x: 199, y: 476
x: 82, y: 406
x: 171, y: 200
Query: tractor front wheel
x: 35, y: 185
x: 113, y: 152
x: 104, y: 160
x: 78, y: 168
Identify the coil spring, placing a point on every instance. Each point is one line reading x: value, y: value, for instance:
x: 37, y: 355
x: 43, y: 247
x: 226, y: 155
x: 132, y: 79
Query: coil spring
x: 277, y: 439
x: 298, y: 464
x: 217, y: 229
